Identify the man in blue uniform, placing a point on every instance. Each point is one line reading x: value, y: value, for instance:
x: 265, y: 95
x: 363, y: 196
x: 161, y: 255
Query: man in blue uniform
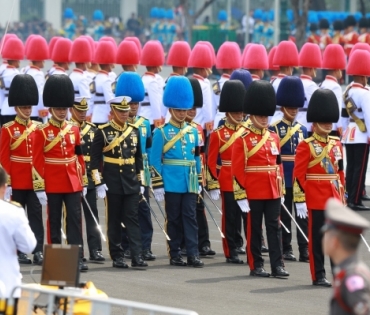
x: 130, y: 84
x: 175, y: 168
x: 290, y: 96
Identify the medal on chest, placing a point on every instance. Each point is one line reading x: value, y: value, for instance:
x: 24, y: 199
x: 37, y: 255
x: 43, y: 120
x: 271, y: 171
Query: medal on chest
x: 254, y: 141
x: 72, y: 138
x: 274, y: 149
x: 133, y: 138
x: 143, y: 131
x: 171, y: 133
x: 51, y: 135
x: 282, y: 131
x: 226, y: 135
x: 191, y: 138
x: 337, y: 153
x: 16, y: 133
x: 110, y: 136
x: 318, y: 148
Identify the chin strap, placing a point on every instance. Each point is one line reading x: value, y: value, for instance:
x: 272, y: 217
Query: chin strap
x: 323, y: 130
x: 116, y: 116
x: 23, y: 116
x: 256, y: 124
x: 56, y: 116
x: 235, y: 122
x: 286, y: 113
x: 174, y: 115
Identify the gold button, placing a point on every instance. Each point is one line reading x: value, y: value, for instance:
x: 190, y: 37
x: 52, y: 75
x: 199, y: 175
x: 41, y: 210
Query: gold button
x: 132, y: 170
x: 66, y: 164
x: 30, y: 151
x: 120, y: 171
x: 88, y: 146
x: 268, y: 172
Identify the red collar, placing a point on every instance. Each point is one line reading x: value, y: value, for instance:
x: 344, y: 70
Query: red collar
x: 10, y: 67
x: 197, y: 76
x: 59, y: 68
x: 256, y: 77
x: 77, y: 70
x: 5, y: 62
x: 103, y: 72
x: 149, y: 73
x: 358, y: 85
x: 274, y: 77
x: 226, y: 76
x: 174, y: 74
x: 305, y: 76
x: 330, y: 77
x: 34, y: 67
x: 281, y: 75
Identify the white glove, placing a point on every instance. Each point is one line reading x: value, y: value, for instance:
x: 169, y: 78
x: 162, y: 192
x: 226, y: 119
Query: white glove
x: 101, y: 191
x: 84, y: 191
x: 8, y: 193
x: 301, y: 210
x: 159, y: 194
x: 244, y: 205
x: 42, y: 197
x: 215, y: 194
x: 282, y: 199
x: 142, y: 189
x: 200, y: 188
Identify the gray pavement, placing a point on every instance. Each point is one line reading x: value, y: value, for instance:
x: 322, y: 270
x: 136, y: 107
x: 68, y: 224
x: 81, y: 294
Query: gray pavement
x: 218, y: 288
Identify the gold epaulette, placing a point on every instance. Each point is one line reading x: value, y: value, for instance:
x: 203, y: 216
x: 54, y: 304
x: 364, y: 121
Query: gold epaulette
x: 309, y: 139
x: 132, y: 125
x: 8, y: 124
x: 216, y: 88
x: 37, y: 122
x: 104, y: 126
x: 42, y: 126
x: 91, y: 124
x: 275, y: 123
x: 219, y: 128
x: 334, y: 138
x: 17, y: 204
x: 73, y: 123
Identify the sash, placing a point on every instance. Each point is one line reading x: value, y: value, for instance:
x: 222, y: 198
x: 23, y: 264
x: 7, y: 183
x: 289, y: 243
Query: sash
x: 232, y: 140
x: 117, y: 141
x: 170, y: 143
x: 17, y: 143
x: 85, y: 130
x: 289, y: 134
x: 322, y: 155
x: 259, y: 145
x: 56, y: 140
x: 139, y: 121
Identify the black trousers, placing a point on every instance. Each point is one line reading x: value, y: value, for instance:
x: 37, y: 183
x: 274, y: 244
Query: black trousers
x: 287, y: 221
x: 231, y: 220
x: 316, y: 220
x: 357, y: 157
x: 145, y: 223
x: 270, y: 208
x: 181, y: 220
x: 72, y: 217
x: 203, y: 231
x: 30, y: 202
x: 123, y: 209
x: 92, y: 233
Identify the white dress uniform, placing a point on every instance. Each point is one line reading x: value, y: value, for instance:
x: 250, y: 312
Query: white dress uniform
x: 309, y: 87
x: 217, y: 88
x: 7, y: 76
x: 278, y: 115
x: 204, y: 115
x: 81, y: 83
x: 331, y: 83
x: 51, y: 71
x: 16, y: 234
x: 2, y: 68
x: 58, y: 70
x: 152, y: 106
x: 103, y: 93
x: 39, y: 77
x: 90, y: 75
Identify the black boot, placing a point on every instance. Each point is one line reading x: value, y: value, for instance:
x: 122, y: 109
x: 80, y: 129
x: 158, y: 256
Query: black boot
x: 96, y: 256
x: 119, y: 263
x: 38, y: 258
x: 177, y: 261
x: 279, y: 272
x: 148, y: 255
x: 194, y: 261
x: 23, y: 259
x: 138, y: 262
x: 259, y: 272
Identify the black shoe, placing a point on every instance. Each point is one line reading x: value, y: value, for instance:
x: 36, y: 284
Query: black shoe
x: 207, y: 251
x: 127, y: 254
x: 183, y: 251
x: 357, y: 207
x: 234, y: 260
x: 279, y: 272
x: 148, y: 255
x: 96, y: 256
x: 288, y: 255
x: 365, y: 197
x: 264, y: 249
x: 259, y: 272
x: 38, y: 258
x: 304, y: 256
x: 138, y: 262
x: 83, y: 267
x: 119, y: 263
x: 240, y: 250
x: 177, y: 261
x: 23, y: 259
x: 194, y: 261
x: 322, y: 282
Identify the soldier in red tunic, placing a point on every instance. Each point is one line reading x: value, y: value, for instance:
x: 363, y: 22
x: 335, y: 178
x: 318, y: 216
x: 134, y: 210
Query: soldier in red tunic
x: 319, y: 172
x: 256, y: 166
x: 350, y: 35
x: 59, y: 164
x: 222, y: 182
x: 17, y: 141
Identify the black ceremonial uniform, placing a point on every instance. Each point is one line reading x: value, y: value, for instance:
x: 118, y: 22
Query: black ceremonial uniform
x: 120, y: 151
x: 87, y: 131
